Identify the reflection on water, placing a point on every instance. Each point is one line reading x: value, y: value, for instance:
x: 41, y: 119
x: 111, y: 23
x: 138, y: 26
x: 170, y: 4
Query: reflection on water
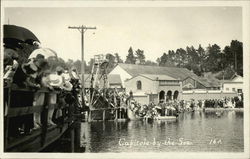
x: 193, y: 131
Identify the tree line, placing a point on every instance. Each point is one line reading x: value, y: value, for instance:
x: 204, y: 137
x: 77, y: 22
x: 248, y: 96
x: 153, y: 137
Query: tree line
x: 222, y: 62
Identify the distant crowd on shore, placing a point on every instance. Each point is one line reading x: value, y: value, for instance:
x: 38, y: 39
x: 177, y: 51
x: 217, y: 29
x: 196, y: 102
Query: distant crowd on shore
x: 174, y: 107
x: 226, y: 102
x: 191, y: 105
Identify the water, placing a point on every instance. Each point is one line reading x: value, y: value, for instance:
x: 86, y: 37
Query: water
x: 192, y: 132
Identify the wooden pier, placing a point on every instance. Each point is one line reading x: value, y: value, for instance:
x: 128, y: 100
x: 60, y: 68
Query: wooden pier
x: 40, y: 138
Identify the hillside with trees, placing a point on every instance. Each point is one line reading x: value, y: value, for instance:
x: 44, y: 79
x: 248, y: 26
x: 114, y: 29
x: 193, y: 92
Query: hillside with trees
x: 221, y: 62
x: 211, y: 59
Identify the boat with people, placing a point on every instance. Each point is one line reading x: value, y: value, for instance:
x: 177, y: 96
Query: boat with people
x: 163, y: 111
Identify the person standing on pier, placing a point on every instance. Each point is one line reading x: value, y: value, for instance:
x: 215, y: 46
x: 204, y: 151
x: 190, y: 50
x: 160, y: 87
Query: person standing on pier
x: 40, y: 96
x: 56, y: 81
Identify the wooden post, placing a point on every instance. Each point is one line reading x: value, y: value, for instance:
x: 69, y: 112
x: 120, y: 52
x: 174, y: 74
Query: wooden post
x: 45, y: 117
x: 77, y: 137
x: 86, y: 116
x: 89, y: 117
x: 116, y: 114
x: 103, y: 126
x: 84, y: 129
x: 126, y: 112
x: 72, y: 138
x: 103, y: 115
x: 6, y: 122
x: 116, y: 126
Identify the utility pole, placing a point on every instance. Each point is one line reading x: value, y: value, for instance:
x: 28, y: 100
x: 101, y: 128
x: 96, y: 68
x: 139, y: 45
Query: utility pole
x: 82, y: 30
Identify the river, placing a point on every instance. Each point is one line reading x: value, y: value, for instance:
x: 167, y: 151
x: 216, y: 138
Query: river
x: 197, y: 131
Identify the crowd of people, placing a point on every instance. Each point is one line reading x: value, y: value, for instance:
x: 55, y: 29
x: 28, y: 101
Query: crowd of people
x: 35, y: 74
x: 153, y: 110
x: 174, y: 107
x: 226, y: 102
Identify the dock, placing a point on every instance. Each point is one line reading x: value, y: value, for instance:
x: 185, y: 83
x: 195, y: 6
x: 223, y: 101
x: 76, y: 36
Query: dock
x: 40, y: 138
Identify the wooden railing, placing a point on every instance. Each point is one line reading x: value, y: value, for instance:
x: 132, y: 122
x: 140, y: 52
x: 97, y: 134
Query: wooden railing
x: 39, y: 139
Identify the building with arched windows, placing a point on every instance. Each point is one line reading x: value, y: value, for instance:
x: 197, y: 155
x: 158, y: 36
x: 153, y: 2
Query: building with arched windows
x: 188, y: 78
x: 155, y: 83
x: 153, y: 88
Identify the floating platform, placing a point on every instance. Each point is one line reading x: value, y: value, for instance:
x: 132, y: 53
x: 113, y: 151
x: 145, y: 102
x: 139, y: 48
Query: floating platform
x: 120, y: 119
x: 166, y: 118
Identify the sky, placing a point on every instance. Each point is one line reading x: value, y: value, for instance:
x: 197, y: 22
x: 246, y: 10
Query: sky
x: 154, y: 30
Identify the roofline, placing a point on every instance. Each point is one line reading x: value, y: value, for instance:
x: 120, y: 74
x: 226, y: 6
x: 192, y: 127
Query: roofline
x: 152, y: 79
x: 161, y: 67
x: 123, y: 69
x: 234, y: 76
x: 146, y: 77
x: 140, y: 75
x: 159, y: 79
x: 151, y: 66
x: 195, y: 80
x: 231, y: 82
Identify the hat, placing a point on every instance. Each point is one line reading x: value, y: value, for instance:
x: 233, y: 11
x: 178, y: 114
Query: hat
x: 67, y: 86
x: 10, y: 52
x: 7, y: 60
x: 31, y: 65
x: 30, y: 69
x: 66, y: 77
x: 55, y: 80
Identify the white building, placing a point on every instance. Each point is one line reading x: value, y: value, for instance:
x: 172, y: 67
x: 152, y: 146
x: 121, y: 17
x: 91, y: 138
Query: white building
x: 188, y: 78
x: 233, y: 85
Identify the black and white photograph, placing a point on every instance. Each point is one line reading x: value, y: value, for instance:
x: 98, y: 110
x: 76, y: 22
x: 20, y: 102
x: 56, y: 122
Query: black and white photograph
x: 127, y: 79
